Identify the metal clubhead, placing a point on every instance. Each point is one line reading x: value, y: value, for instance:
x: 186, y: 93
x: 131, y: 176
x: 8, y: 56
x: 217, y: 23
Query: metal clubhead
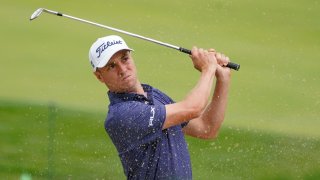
x: 36, y: 14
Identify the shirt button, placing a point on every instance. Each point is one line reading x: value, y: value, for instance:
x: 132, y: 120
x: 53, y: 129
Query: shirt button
x: 146, y: 102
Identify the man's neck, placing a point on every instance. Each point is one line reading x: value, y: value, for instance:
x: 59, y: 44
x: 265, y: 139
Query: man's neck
x: 140, y: 90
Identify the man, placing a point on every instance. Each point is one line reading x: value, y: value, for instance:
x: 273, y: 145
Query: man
x: 146, y: 126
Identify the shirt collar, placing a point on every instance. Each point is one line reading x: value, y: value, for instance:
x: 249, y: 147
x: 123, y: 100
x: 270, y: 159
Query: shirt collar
x: 122, y: 97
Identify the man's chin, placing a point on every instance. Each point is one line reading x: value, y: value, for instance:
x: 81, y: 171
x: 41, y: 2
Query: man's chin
x: 128, y: 88
x: 124, y: 87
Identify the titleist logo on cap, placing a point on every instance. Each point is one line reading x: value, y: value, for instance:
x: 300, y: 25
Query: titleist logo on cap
x: 104, y: 46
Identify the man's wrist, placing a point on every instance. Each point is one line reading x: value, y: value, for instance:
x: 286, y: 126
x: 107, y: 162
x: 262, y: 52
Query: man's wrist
x: 210, y: 70
x: 223, y: 80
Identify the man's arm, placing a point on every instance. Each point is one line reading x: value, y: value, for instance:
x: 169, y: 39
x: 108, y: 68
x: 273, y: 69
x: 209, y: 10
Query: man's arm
x: 208, y: 124
x: 195, y: 102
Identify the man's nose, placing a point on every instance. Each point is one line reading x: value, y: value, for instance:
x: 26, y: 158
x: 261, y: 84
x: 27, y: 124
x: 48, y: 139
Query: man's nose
x: 121, y: 68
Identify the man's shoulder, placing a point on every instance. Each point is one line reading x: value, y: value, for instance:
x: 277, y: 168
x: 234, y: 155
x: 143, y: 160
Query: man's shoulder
x: 119, y: 111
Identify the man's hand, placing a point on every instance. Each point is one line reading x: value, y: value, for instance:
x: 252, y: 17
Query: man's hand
x: 203, y: 60
x: 223, y: 73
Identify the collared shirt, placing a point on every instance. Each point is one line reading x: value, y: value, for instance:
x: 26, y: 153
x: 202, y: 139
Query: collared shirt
x: 134, y: 124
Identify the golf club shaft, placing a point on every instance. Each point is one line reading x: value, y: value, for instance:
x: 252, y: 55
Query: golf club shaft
x: 187, y: 51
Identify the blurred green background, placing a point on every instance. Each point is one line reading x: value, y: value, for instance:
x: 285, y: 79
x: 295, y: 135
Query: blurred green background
x: 53, y: 109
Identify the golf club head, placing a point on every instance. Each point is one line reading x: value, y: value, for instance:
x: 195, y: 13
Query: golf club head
x: 36, y: 14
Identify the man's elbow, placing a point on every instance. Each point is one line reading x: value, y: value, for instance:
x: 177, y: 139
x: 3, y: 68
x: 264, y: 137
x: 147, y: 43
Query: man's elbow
x: 206, y: 135
x: 213, y: 136
x: 210, y: 135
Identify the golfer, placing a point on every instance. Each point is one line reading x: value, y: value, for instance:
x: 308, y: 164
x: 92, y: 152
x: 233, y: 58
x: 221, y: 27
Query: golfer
x: 146, y: 126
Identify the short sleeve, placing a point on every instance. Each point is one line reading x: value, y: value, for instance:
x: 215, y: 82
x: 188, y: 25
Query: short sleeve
x: 134, y: 123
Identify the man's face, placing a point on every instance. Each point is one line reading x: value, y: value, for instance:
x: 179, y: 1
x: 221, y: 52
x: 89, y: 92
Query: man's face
x: 119, y: 74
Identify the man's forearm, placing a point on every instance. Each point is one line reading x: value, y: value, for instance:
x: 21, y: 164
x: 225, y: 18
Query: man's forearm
x: 193, y: 105
x: 214, y: 113
x: 198, y: 96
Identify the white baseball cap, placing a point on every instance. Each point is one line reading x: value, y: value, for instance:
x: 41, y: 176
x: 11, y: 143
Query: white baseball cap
x: 104, y: 48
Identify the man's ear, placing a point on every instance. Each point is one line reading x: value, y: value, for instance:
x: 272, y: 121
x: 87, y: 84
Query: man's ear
x: 98, y: 76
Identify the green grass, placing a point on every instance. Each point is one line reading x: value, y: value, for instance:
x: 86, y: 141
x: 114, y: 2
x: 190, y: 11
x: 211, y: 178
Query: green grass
x: 47, y: 141
x: 275, y: 94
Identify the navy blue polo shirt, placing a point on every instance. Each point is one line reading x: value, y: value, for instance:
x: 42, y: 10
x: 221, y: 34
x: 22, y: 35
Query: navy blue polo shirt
x: 134, y: 124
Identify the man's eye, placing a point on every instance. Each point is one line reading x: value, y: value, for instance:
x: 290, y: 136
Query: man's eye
x: 111, y: 66
x: 124, y: 59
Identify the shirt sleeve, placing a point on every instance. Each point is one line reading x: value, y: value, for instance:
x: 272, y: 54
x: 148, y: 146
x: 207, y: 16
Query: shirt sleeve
x: 135, y: 123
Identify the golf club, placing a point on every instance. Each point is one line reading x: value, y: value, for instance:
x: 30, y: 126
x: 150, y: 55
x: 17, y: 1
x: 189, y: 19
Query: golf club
x: 38, y: 12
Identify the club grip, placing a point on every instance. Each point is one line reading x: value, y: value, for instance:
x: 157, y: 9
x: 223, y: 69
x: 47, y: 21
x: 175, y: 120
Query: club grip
x: 184, y: 50
x: 233, y: 66
x: 229, y: 65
